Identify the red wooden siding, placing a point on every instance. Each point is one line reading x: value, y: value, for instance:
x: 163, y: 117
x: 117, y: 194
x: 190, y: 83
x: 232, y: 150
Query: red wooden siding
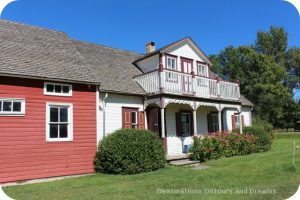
x: 24, y: 152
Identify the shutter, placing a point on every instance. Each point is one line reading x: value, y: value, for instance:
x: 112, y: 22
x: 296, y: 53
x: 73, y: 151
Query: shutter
x: 209, y: 123
x: 233, y: 122
x: 141, y: 118
x: 178, y: 125
x: 243, y: 122
x: 126, y: 118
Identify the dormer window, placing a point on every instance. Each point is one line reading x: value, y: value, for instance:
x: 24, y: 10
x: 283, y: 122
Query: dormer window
x: 202, y: 69
x: 171, y: 63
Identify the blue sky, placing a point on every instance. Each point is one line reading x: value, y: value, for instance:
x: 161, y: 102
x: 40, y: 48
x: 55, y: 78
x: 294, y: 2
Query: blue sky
x: 129, y: 24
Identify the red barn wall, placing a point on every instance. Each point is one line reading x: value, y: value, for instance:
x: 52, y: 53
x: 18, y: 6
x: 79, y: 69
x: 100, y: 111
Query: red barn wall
x: 24, y: 152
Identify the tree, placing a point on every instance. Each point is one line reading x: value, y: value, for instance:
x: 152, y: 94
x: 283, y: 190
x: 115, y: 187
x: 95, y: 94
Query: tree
x: 264, y: 75
x: 273, y: 43
x: 292, y: 64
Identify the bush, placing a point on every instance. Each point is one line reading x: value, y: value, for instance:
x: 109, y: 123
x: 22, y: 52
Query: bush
x: 263, y: 138
x: 264, y: 124
x: 221, y: 144
x: 130, y: 151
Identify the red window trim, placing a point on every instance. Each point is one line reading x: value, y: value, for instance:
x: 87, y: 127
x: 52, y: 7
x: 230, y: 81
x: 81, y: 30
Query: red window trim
x: 166, y: 60
x: 182, y: 59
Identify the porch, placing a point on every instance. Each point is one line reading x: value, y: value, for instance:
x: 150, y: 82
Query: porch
x: 177, y: 121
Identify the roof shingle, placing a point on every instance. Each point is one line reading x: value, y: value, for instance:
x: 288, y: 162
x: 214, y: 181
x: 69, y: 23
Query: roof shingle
x: 42, y: 53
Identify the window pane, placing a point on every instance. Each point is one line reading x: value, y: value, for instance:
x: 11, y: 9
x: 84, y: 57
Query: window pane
x: 66, y: 89
x: 53, y: 131
x: 0, y: 105
x: 50, y: 88
x: 58, y: 88
x: 133, y: 117
x: 169, y: 63
x: 17, y: 106
x: 63, y: 131
x: 7, y: 105
x: 53, y: 114
x: 63, y: 114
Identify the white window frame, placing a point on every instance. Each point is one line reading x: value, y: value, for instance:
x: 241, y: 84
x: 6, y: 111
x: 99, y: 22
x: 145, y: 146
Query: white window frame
x: 175, y: 62
x: 70, y: 125
x: 12, y: 113
x: 136, y: 120
x: 205, y: 72
x: 55, y: 93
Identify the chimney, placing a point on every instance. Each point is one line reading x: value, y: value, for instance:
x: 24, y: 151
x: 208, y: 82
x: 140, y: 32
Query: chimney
x: 150, y: 47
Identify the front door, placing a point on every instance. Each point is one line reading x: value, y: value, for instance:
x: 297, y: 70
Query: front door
x: 186, y: 68
x: 186, y: 123
x: 153, y: 119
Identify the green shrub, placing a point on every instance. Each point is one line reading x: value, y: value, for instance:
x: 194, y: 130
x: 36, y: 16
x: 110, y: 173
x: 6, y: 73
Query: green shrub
x: 263, y: 138
x: 264, y: 124
x: 130, y: 151
x: 221, y: 144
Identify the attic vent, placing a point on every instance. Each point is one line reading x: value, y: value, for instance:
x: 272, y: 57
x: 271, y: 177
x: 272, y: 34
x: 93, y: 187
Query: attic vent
x: 150, y: 47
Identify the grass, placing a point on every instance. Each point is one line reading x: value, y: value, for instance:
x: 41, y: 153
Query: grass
x: 270, y: 172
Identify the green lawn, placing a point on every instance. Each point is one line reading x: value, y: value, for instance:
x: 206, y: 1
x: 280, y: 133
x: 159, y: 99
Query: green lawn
x: 265, y: 172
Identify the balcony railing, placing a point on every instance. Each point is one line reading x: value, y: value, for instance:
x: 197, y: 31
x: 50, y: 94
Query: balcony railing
x: 173, y: 82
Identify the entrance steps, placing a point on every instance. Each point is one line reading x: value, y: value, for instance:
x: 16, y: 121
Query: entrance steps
x: 181, y: 160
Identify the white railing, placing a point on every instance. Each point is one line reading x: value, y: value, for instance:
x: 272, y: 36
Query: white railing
x: 173, y: 82
x: 229, y: 90
x: 149, y: 81
x: 205, y: 87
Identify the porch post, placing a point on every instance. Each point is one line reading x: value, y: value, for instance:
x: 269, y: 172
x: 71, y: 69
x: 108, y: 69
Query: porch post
x: 195, y: 121
x: 220, y: 120
x: 241, y: 125
x: 162, y: 122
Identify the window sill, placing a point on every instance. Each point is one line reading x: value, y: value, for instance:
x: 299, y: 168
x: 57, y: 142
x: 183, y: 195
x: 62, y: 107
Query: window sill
x: 58, y: 94
x: 11, y: 115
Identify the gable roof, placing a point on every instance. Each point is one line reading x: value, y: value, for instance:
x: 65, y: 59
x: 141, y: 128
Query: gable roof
x: 112, y: 66
x: 186, y: 39
x: 33, y: 52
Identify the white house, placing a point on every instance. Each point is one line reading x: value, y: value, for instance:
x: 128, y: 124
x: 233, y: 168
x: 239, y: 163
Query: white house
x: 171, y: 91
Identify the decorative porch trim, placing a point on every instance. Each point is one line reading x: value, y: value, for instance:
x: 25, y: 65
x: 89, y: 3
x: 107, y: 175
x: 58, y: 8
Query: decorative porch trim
x: 156, y: 101
x: 237, y: 107
x: 215, y: 105
x: 179, y: 101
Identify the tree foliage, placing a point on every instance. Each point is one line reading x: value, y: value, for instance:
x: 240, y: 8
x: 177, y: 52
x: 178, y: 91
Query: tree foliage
x: 267, y: 71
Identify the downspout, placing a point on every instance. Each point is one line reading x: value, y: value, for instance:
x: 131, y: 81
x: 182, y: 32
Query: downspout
x: 97, y: 115
x: 104, y: 113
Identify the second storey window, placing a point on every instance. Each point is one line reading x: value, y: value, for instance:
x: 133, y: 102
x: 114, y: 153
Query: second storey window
x: 59, y: 122
x: 57, y: 89
x: 202, y: 69
x: 12, y: 106
x: 171, y: 63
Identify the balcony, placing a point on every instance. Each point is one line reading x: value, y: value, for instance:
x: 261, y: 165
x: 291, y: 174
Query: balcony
x: 173, y: 82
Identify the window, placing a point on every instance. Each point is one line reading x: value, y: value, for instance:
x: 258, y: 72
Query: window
x: 132, y: 118
x: 202, y: 69
x: 57, y: 89
x: 59, y: 122
x: 171, y: 63
x: 12, y: 107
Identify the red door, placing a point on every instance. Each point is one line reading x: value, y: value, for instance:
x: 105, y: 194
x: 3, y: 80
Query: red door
x: 187, y: 68
x: 153, y: 119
